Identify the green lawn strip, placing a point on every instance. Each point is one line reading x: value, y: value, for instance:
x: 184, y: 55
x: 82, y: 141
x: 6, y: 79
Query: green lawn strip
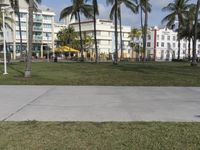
x: 85, y: 135
x: 130, y: 74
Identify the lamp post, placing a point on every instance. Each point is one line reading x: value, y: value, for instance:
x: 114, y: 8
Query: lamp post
x: 3, y: 4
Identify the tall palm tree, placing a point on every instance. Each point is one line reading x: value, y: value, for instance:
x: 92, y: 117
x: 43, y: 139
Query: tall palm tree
x: 186, y: 31
x: 194, y: 55
x: 78, y: 7
x: 145, y: 7
x: 95, y: 13
x: 15, y: 5
x: 178, y: 9
x: 31, y: 9
x: 115, y: 3
x: 129, y: 4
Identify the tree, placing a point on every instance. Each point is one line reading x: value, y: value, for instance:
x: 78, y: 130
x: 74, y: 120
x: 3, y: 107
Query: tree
x: 15, y: 5
x: 135, y: 33
x: 194, y: 55
x: 129, y: 4
x: 78, y: 7
x: 95, y: 13
x: 178, y: 10
x: 115, y: 3
x: 31, y: 9
x: 67, y: 35
x: 186, y: 31
x: 145, y: 7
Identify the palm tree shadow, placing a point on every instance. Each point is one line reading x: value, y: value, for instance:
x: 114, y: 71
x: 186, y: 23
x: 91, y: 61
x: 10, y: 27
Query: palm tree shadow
x: 17, y: 70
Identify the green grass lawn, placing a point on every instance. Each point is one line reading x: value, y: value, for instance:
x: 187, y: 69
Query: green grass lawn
x: 148, y: 74
x: 99, y: 136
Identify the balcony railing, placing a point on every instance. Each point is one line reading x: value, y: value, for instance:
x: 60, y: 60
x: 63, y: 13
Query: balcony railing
x: 37, y: 28
x: 39, y: 19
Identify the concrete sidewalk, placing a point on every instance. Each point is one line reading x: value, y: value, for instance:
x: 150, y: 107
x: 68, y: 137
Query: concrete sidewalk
x: 99, y: 103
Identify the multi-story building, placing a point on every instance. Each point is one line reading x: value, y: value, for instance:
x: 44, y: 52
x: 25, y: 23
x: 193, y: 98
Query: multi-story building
x: 162, y: 45
x: 43, y: 31
x: 105, y: 35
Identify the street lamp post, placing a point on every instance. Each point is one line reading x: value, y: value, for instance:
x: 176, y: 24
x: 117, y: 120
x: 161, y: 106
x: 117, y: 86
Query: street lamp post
x: 3, y: 5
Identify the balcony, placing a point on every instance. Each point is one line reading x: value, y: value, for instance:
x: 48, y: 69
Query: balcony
x: 37, y: 39
x: 37, y: 28
x: 38, y: 19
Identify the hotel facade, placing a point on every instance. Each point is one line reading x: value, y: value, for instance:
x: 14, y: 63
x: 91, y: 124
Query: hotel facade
x: 43, y: 32
x: 162, y: 45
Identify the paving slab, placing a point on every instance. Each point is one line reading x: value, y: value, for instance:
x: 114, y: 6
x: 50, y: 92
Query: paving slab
x: 100, y: 103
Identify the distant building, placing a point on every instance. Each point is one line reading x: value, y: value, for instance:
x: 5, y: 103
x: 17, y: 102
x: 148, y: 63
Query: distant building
x: 43, y: 31
x: 105, y: 36
x: 162, y: 45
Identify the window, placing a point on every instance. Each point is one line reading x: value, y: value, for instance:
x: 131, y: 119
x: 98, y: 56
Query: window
x: 174, y: 38
x: 49, y: 26
x: 163, y: 37
x: 157, y: 37
x: 184, y: 45
x: 47, y: 17
x: 162, y: 44
x: 148, y: 44
x: 149, y: 37
x: 168, y: 38
x: 174, y: 45
x: 157, y: 44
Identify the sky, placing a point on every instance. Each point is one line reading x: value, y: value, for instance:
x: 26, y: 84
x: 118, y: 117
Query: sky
x: 129, y: 18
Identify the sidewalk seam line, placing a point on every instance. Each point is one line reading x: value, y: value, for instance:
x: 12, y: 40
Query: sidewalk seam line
x: 21, y: 108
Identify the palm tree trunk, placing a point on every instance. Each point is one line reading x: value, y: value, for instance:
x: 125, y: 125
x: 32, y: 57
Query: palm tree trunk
x: 145, y: 32
x: 30, y: 40
x: 120, y: 24
x: 179, y: 41
x: 95, y: 38
x: 189, y: 49
x: 194, y: 55
x: 20, y: 29
x: 116, y: 35
x: 141, y: 18
x: 80, y: 34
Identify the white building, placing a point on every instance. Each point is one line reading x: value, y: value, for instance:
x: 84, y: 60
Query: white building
x: 105, y: 35
x: 43, y: 31
x: 162, y: 45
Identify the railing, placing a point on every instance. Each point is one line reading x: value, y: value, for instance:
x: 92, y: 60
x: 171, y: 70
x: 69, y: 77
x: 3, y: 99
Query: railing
x: 37, y: 28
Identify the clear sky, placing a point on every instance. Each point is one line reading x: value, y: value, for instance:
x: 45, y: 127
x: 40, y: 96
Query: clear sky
x: 128, y: 17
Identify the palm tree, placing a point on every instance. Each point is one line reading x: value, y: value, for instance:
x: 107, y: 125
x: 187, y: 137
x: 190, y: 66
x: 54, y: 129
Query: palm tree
x: 15, y: 5
x: 145, y: 7
x: 135, y: 33
x: 95, y: 13
x: 186, y: 31
x: 67, y: 35
x: 194, y: 56
x: 129, y: 4
x: 31, y: 9
x: 178, y: 9
x: 78, y: 7
x: 115, y: 3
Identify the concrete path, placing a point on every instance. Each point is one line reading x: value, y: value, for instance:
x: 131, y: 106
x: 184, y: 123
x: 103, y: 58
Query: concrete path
x: 91, y: 103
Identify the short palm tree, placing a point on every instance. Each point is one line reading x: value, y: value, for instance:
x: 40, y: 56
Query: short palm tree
x: 129, y: 4
x: 145, y: 7
x: 178, y: 10
x: 194, y: 55
x: 78, y: 7
x: 31, y: 9
x: 135, y: 33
